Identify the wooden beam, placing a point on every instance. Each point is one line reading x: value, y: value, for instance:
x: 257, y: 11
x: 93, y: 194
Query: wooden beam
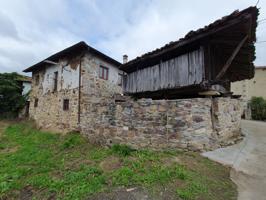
x: 230, y: 60
x: 224, y: 42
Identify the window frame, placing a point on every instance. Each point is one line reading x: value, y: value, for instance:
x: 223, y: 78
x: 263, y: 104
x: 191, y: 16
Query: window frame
x: 65, y: 104
x: 102, y: 70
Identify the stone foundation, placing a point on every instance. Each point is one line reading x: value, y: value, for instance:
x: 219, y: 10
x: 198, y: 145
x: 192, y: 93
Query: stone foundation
x: 193, y: 124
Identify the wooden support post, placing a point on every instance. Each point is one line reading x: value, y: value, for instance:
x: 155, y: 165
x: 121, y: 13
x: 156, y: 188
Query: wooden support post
x: 232, y: 57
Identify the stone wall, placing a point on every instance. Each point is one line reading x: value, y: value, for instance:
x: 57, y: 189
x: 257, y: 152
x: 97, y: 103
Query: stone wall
x: 49, y: 113
x: 194, y: 124
x: 226, y: 118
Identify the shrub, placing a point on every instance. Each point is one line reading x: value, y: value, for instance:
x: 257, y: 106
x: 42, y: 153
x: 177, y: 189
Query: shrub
x: 258, y: 108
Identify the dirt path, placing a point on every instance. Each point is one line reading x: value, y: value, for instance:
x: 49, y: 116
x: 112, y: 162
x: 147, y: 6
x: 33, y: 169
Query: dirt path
x: 248, y: 161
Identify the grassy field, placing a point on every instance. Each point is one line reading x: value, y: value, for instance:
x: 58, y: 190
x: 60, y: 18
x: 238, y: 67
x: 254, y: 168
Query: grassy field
x: 43, y: 165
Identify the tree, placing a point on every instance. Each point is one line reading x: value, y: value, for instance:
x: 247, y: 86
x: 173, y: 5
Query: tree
x: 11, y: 98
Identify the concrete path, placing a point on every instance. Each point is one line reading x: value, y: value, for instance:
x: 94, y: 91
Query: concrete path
x: 248, y: 161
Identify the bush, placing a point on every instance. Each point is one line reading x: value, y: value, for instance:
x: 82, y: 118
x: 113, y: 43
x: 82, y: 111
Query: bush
x: 258, y: 108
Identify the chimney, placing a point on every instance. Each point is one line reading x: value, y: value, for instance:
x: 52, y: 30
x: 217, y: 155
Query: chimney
x: 125, y: 59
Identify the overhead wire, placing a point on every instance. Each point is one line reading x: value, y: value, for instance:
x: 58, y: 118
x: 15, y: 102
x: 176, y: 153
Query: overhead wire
x: 257, y: 3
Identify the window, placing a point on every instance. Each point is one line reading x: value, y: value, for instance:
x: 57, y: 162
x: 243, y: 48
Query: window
x: 36, y: 102
x: 66, y: 104
x: 37, y: 79
x: 120, y: 79
x: 103, y: 72
x: 55, y: 80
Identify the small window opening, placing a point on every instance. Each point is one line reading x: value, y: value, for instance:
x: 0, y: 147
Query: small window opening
x: 55, y: 80
x: 66, y: 104
x: 103, y: 72
x: 36, y: 102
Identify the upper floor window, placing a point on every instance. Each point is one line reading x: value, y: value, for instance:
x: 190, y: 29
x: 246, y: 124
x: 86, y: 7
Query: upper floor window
x: 103, y: 72
x: 55, y: 80
x: 37, y: 79
x: 120, y: 79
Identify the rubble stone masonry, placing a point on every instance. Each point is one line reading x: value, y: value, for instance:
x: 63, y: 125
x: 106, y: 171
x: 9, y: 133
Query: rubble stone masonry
x: 194, y: 124
x: 49, y: 113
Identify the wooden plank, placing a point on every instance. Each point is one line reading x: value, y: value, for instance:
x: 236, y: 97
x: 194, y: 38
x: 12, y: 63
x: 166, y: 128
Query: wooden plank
x: 231, y: 58
x: 173, y: 73
x: 182, y: 64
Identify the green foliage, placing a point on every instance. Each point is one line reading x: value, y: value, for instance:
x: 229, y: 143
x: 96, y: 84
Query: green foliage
x: 11, y: 99
x: 258, y: 108
x: 122, y: 150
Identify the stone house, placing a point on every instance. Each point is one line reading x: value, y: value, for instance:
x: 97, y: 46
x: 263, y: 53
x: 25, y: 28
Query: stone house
x: 62, y: 82
x: 181, y: 91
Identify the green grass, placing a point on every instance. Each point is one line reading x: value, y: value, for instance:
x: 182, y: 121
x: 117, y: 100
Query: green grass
x: 68, y: 167
x: 192, y: 190
x: 122, y: 150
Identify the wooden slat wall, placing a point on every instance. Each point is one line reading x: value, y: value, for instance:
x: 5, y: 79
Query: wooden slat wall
x: 181, y: 71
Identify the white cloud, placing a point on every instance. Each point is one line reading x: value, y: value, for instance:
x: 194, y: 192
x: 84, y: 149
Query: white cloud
x: 167, y: 20
x: 32, y: 30
x: 37, y: 29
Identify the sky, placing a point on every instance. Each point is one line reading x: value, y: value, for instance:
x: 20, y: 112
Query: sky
x: 31, y: 30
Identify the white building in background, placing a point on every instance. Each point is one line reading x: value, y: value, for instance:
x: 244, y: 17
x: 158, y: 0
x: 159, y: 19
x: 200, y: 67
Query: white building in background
x: 254, y: 87
x: 25, y: 84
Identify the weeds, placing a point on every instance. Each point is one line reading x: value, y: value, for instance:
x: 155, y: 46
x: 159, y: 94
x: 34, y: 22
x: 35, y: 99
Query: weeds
x: 122, y: 150
x: 71, y: 140
x: 191, y: 191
